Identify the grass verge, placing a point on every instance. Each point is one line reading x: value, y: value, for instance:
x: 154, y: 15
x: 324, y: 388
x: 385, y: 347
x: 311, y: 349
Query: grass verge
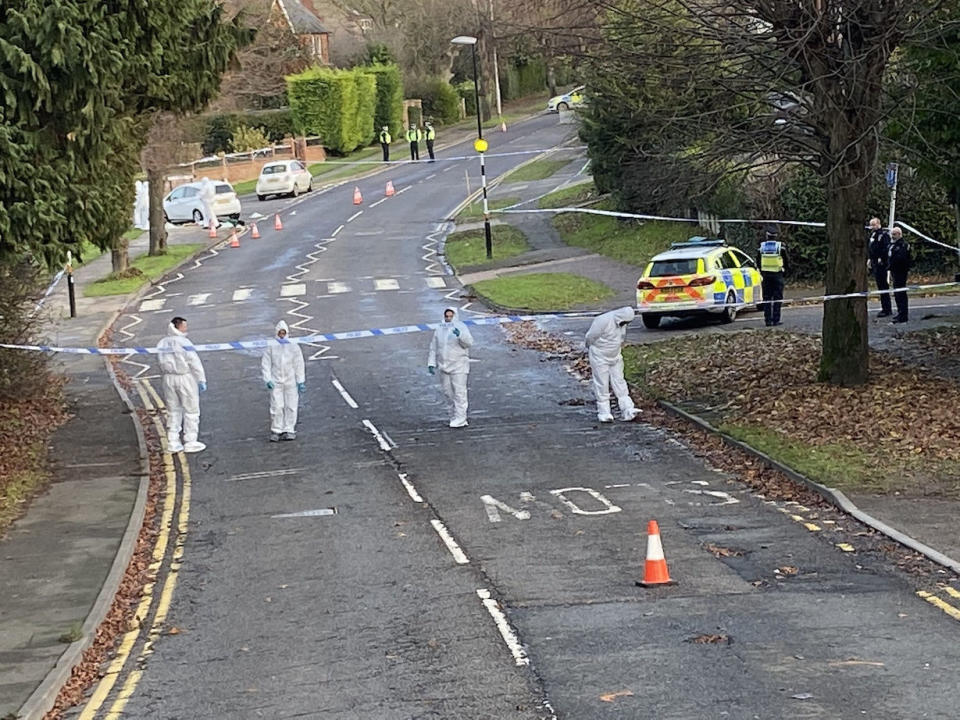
x: 543, y: 291
x: 571, y: 195
x: 145, y: 268
x: 623, y: 240
x: 889, y: 435
x: 537, y: 170
x: 474, y: 211
x: 468, y: 247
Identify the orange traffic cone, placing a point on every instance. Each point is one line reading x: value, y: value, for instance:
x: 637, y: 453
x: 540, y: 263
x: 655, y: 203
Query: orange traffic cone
x: 277, y: 225
x: 234, y: 240
x: 212, y: 232
x: 357, y: 197
x: 655, y: 571
x: 255, y: 232
x: 390, y: 191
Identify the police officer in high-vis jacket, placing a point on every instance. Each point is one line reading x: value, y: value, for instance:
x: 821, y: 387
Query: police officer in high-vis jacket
x: 413, y: 137
x: 772, y: 260
x: 430, y: 135
x: 385, y: 141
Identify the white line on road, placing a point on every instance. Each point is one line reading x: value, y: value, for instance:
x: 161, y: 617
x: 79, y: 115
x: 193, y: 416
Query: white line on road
x: 386, y: 284
x: 411, y: 490
x: 430, y: 177
x: 402, y: 191
x: 344, y: 394
x: 264, y: 474
x: 435, y: 281
x: 335, y: 288
x: 381, y: 200
x: 451, y: 544
x: 319, y: 512
x: 355, y: 216
x: 336, y: 232
x: 198, y: 299
x: 242, y: 294
x: 506, y: 632
x: 294, y: 290
x: 147, y: 305
x: 381, y: 440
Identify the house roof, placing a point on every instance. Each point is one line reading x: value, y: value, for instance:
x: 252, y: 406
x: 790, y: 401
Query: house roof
x: 300, y: 19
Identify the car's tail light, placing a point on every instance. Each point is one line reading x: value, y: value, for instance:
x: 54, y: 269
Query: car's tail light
x: 644, y: 285
x: 701, y: 281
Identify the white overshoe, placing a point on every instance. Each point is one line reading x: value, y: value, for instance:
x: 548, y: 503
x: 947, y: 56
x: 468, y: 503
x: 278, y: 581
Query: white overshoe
x: 605, y: 418
x: 458, y: 423
x: 175, y: 448
x: 632, y: 415
x: 193, y: 447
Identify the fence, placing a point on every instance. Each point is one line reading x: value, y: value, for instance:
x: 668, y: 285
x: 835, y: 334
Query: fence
x: 237, y: 167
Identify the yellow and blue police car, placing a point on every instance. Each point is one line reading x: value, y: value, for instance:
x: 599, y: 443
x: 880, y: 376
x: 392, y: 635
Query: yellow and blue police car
x: 699, y: 276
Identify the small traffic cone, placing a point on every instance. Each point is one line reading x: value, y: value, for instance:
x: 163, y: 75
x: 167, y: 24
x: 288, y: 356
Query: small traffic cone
x: 212, y: 232
x: 503, y: 127
x: 255, y: 232
x: 390, y: 191
x: 277, y: 225
x: 234, y: 240
x: 655, y: 571
x: 357, y: 197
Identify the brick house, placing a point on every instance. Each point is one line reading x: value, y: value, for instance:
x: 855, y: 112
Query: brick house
x: 307, y: 26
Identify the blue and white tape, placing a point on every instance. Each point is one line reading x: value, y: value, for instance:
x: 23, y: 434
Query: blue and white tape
x: 50, y: 288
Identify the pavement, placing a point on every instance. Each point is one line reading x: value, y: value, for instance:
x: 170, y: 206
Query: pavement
x: 385, y: 566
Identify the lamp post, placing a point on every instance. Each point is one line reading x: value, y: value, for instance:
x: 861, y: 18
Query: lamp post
x: 480, y: 145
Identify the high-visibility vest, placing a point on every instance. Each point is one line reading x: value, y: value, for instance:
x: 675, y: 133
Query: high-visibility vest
x: 414, y: 135
x: 385, y: 137
x: 771, y: 256
x: 431, y: 134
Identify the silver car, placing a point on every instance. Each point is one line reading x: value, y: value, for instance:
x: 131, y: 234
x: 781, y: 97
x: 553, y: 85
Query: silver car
x: 186, y: 203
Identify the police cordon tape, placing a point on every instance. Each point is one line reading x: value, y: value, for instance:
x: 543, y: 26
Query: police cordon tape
x: 425, y: 327
x: 457, y: 158
x: 50, y: 288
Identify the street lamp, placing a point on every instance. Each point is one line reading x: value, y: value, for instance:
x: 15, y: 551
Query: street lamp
x: 480, y: 145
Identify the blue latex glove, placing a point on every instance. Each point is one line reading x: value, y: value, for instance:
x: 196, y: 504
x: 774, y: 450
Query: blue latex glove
x: 301, y: 388
x: 202, y: 386
x: 431, y: 369
x: 456, y: 332
x: 269, y: 385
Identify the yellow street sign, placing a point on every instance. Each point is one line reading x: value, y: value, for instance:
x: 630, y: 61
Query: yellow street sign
x: 480, y: 145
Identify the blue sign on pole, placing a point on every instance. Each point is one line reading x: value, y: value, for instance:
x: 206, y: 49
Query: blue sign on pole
x: 892, y: 169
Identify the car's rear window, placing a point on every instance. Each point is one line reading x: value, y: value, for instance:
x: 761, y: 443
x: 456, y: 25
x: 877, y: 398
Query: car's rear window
x: 223, y: 189
x: 680, y: 266
x: 274, y: 169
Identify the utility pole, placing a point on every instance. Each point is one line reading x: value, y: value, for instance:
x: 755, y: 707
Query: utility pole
x: 496, y: 69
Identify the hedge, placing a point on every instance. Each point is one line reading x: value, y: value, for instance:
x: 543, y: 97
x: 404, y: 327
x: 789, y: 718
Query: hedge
x: 441, y: 103
x: 521, y: 80
x: 337, y: 105
x: 389, y: 110
x: 217, y: 130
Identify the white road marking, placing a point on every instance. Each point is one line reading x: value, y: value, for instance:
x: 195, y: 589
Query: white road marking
x: 344, y: 394
x: 264, y: 474
x: 402, y: 191
x: 411, y: 490
x: 506, y: 632
x: 198, y: 299
x: 619, y: 485
x: 335, y: 288
x: 355, y: 216
x: 561, y: 495
x: 519, y: 187
x: 494, y: 506
x: 152, y: 304
x: 336, y: 232
x: 319, y: 512
x: 381, y: 200
x: 369, y: 233
x: 435, y: 281
x: 430, y: 177
x: 451, y: 544
x: 727, y: 499
x: 448, y: 168
x: 386, y: 284
x: 381, y: 440
x: 242, y: 294
x: 293, y: 290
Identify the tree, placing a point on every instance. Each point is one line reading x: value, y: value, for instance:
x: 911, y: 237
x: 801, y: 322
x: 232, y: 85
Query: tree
x: 766, y: 85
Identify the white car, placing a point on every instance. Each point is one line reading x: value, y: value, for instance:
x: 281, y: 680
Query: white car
x: 287, y: 177
x: 573, y: 99
x: 185, y: 203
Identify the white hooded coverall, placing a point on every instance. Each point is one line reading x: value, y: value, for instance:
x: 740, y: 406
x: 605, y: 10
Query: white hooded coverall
x: 604, y: 340
x: 450, y: 355
x: 182, y: 371
x: 282, y: 364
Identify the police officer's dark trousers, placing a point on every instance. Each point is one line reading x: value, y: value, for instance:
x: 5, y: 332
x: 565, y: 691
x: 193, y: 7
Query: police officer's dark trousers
x: 880, y: 275
x: 386, y: 151
x: 414, y: 150
x: 772, y: 291
x: 430, y: 149
x: 899, y: 278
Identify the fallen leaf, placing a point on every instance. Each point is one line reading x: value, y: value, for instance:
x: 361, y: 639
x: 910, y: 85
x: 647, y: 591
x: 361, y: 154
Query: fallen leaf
x: 610, y: 697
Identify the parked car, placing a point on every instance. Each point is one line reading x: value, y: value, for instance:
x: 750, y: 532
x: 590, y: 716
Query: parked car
x: 287, y: 177
x: 562, y: 103
x: 185, y: 203
x: 696, y: 277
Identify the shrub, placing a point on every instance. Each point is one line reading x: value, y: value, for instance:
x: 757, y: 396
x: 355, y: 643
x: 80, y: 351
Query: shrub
x: 324, y: 103
x: 245, y: 138
x: 389, y: 110
x: 20, y: 372
x: 468, y: 94
x: 365, y: 114
x: 441, y: 103
x: 218, y: 130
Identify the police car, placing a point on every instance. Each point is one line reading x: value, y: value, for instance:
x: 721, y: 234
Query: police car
x: 562, y: 103
x: 696, y: 277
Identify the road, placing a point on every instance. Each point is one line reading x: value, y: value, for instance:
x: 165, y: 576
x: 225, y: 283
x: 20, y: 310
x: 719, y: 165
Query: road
x: 385, y: 566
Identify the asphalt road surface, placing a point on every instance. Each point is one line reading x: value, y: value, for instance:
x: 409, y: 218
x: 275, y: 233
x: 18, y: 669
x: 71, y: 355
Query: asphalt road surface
x: 385, y: 566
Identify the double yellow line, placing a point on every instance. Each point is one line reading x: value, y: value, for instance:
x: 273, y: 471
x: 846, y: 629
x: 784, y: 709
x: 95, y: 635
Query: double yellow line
x: 154, y: 405
x: 950, y: 609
